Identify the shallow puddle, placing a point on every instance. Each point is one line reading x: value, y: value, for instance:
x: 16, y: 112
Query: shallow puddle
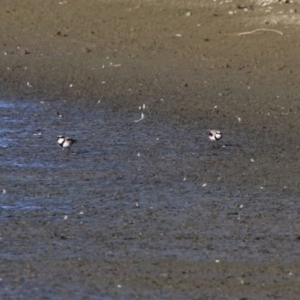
x: 146, y: 161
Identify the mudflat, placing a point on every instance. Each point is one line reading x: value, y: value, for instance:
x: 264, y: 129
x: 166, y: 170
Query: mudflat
x: 157, y: 210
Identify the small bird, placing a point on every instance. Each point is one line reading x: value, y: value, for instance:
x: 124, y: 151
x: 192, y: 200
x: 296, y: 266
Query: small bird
x: 214, y: 135
x: 65, y: 141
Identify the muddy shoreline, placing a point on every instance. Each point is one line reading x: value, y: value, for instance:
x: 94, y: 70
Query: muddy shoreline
x: 152, y: 209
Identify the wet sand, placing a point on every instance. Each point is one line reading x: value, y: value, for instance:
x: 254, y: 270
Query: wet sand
x: 184, y: 219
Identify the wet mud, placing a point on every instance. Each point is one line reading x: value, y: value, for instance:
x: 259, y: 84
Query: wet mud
x: 143, y: 209
x: 149, y: 209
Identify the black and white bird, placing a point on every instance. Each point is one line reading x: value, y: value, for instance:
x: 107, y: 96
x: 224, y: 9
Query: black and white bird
x: 214, y: 135
x: 65, y: 141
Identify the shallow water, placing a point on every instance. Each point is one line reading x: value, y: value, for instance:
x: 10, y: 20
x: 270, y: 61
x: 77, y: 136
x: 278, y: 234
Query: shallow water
x: 149, y: 162
x: 152, y: 190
